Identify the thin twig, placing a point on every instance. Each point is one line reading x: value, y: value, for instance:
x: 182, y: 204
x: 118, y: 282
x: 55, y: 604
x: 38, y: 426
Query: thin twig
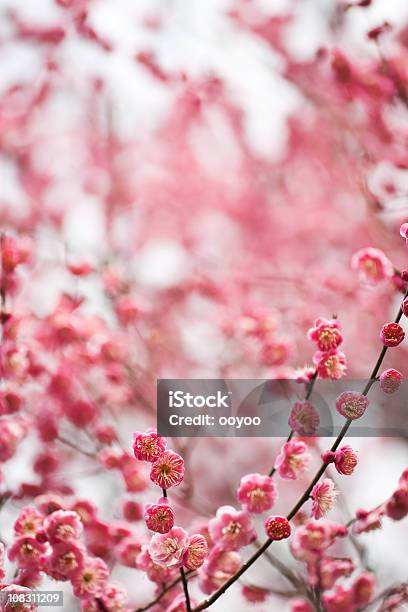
x: 185, y: 588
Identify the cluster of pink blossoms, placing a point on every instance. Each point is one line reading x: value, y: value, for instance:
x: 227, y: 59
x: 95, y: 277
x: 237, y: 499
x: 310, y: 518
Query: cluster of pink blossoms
x: 330, y: 362
x: 170, y: 547
x: 68, y: 376
x: 47, y: 540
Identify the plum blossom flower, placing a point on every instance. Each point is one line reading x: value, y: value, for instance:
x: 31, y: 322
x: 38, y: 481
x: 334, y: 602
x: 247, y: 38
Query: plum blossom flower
x: 274, y: 353
x: 404, y: 305
x: 314, y: 537
x: 128, y: 550
x: 293, y: 460
x: 231, y: 529
x: 98, y: 538
x: 196, y: 553
x: 304, y: 418
x: 351, y: 405
x: 62, y: 526
x: 257, y: 493
x: 330, y: 364
x: 148, y: 446
x: 26, y: 552
x: 65, y: 559
x: 372, y: 265
x: 85, y: 509
x: 277, y: 528
x: 133, y: 477
x: 397, y: 506
x: 168, y: 470
x: 392, y: 334
x: 132, y: 511
x: 90, y: 579
x: 29, y: 522
x: 159, y: 517
x: 12, y: 431
x: 326, y: 334
x: 390, y: 380
x: 81, y: 413
x: 345, y: 460
x: 119, y: 531
x: 323, y: 495
x: 168, y: 549
x: 363, y: 589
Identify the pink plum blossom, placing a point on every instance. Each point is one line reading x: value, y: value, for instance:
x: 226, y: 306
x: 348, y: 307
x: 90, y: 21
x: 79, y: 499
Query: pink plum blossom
x: 148, y: 446
x: 326, y: 334
x: 304, y: 418
x: 196, y: 553
x: 324, y: 495
x: 62, y: 526
x: 293, y: 460
x: 168, y: 549
x: 168, y: 470
x: 372, y: 265
x: 231, y: 529
x: 390, y: 380
x: 257, y: 493
x: 330, y: 364
x: 90, y: 578
x: 351, y: 405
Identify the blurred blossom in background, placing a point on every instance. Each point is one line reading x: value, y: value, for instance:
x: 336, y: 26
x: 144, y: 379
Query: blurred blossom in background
x: 179, y: 173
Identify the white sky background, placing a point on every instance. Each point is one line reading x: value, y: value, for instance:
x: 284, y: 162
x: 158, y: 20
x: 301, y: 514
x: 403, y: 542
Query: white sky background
x: 197, y: 37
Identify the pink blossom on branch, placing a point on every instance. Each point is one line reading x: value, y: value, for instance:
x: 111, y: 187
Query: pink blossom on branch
x: 323, y: 495
x: 390, y: 380
x: 231, y: 529
x: 392, y: 334
x: 257, y: 493
x: 293, y: 460
x: 169, y: 549
x: 168, y: 470
x: 330, y: 364
x: 326, y: 334
x: 372, y: 265
x: 159, y: 517
x: 351, y: 405
x: 304, y: 418
x: 148, y: 446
